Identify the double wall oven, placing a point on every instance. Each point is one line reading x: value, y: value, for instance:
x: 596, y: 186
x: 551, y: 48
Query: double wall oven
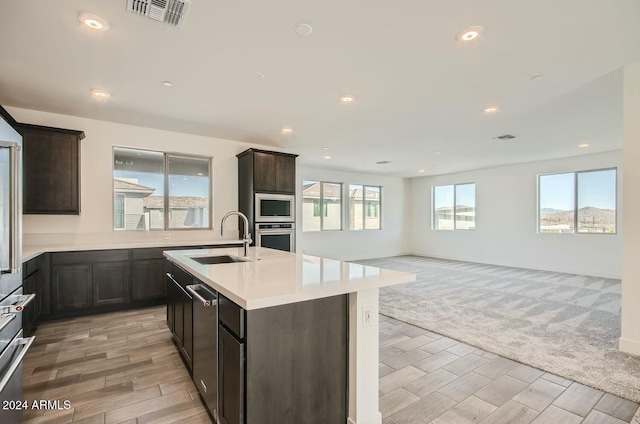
x: 13, y: 346
x: 275, y: 221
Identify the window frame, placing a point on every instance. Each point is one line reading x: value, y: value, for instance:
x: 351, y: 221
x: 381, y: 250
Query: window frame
x: 575, y: 201
x: 165, y: 170
x: 364, y: 207
x: 455, y: 212
x: 323, y: 209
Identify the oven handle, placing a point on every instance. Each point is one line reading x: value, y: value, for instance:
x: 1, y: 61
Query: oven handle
x: 191, y: 289
x: 14, y: 309
x: 26, y: 343
x: 7, y: 318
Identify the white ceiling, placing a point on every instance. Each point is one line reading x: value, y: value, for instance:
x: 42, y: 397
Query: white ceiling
x: 418, y: 90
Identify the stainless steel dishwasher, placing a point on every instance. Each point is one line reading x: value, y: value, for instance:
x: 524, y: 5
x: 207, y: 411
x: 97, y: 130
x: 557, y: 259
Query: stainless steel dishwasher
x: 205, y: 344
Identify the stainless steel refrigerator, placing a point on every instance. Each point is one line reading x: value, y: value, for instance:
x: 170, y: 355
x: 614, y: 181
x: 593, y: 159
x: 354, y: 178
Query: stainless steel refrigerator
x: 13, y: 346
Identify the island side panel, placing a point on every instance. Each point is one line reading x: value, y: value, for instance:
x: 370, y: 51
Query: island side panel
x: 363, y: 358
x: 297, y: 362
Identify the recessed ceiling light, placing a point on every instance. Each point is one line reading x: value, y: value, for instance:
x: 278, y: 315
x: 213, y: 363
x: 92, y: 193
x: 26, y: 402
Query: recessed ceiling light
x: 200, y: 174
x: 94, y: 22
x: 287, y: 130
x: 325, y: 148
x: 490, y: 109
x: 536, y: 77
x: 303, y: 29
x: 347, y: 98
x: 383, y: 162
x: 470, y: 33
x: 437, y: 153
x: 422, y: 171
x: 100, y: 94
x: 327, y: 157
x: 583, y: 145
x: 167, y: 83
x: 257, y: 75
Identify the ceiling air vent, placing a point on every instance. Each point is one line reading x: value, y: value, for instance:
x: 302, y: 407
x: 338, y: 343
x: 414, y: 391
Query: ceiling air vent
x: 171, y: 12
x: 506, y: 137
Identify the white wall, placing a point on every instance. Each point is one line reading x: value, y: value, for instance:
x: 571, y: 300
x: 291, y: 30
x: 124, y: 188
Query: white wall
x: 391, y: 240
x: 630, y: 338
x: 506, y: 209
x: 95, y: 223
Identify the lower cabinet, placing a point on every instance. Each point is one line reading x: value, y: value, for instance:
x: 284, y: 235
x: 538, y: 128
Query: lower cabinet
x: 230, y: 378
x: 31, y: 284
x: 111, y: 283
x: 286, y: 363
x: 148, y: 279
x: 72, y: 287
x: 180, y: 313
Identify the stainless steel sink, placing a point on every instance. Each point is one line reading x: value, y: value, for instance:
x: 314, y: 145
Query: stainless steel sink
x: 211, y: 260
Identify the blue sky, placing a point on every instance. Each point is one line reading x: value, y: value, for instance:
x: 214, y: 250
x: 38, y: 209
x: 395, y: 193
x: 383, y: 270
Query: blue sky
x: 596, y: 188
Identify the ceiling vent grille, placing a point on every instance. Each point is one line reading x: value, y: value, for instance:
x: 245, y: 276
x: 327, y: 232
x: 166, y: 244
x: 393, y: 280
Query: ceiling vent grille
x: 171, y: 12
x: 506, y: 137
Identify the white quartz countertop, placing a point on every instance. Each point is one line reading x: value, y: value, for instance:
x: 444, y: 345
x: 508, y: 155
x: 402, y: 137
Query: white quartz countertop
x: 31, y: 251
x: 272, y: 277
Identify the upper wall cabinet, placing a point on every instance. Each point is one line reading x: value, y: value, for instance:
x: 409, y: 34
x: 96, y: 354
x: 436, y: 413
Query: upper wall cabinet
x: 51, y: 180
x: 270, y: 172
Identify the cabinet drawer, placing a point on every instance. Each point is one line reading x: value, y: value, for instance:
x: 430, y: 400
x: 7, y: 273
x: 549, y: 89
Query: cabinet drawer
x: 181, y: 276
x: 89, y: 257
x: 232, y: 316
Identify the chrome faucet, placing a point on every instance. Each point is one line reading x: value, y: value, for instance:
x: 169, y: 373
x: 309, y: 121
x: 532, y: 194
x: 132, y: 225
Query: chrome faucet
x: 246, y: 238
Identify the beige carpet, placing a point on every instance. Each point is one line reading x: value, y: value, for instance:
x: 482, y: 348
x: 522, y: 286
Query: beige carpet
x: 561, y: 323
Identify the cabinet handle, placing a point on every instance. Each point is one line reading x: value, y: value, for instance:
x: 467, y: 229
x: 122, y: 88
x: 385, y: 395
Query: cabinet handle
x: 15, y: 211
x: 26, y: 342
x: 13, y: 309
x: 6, y: 319
x: 191, y: 289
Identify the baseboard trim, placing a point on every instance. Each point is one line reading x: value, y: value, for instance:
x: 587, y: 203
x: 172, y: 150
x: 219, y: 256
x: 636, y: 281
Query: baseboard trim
x: 629, y: 346
x: 375, y: 419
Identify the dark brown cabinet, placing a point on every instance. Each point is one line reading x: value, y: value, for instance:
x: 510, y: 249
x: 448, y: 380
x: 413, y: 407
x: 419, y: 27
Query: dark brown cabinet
x: 269, y: 172
x: 111, y: 283
x: 180, y: 312
x: 51, y: 158
x: 148, y: 279
x: 90, y: 280
x: 31, y: 284
x: 72, y: 287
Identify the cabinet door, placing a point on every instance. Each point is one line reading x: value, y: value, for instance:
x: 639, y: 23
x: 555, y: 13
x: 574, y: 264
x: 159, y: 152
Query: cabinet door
x: 51, y: 171
x: 264, y: 172
x: 230, y: 378
x: 178, y: 314
x: 29, y: 312
x: 286, y: 174
x: 170, y: 302
x: 148, y: 281
x: 111, y: 283
x: 187, y: 340
x: 71, y: 286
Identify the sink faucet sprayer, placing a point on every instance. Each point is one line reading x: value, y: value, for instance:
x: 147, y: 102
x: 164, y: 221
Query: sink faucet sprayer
x: 246, y: 238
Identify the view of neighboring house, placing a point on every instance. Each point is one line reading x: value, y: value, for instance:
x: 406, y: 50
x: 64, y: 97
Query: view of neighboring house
x: 321, y: 206
x: 136, y: 209
x: 465, y: 218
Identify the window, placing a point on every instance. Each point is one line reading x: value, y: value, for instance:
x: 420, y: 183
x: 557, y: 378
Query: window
x: 454, y: 207
x: 321, y: 206
x: 143, y: 192
x: 364, y: 207
x: 582, y: 202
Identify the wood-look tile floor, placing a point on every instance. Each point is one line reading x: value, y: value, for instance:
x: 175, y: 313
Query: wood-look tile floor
x: 120, y: 367
x: 123, y: 368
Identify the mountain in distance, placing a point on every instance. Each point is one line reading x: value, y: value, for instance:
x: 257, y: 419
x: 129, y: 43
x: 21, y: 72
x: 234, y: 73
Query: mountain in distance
x: 551, y: 211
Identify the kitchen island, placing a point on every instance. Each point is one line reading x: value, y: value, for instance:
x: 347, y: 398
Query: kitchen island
x: 309, y: 333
